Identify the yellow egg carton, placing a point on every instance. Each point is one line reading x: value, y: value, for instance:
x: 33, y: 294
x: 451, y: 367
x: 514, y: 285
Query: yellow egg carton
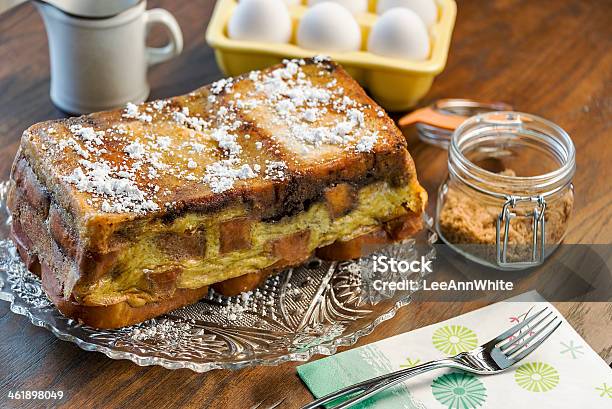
x: 396, y: 84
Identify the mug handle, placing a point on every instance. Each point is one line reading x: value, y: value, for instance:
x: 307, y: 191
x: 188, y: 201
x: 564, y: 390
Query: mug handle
x: 156, y: 55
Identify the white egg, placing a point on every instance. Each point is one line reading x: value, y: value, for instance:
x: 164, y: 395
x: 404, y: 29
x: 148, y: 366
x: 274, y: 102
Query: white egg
x: 354, y: 6
x: 426, y: 9
x: 400, y: 33
x: 260, y: 20
x: 329, y: 27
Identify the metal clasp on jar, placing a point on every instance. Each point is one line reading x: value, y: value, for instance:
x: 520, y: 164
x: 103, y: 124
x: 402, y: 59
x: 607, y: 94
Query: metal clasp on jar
x: 538, y: 226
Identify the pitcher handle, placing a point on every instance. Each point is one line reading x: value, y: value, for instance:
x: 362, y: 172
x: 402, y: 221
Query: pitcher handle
x: 156, y: 55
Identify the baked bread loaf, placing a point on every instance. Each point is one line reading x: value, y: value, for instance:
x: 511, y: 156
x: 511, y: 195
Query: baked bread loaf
x: 131, y: 213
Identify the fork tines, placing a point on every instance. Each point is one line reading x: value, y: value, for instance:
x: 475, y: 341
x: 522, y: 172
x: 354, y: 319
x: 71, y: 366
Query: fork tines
x: 520, y: 340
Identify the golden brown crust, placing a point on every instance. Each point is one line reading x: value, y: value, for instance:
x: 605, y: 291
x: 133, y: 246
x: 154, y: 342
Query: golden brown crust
x: 242, y: 284
x: 116, y: 315
x: 403, y: 227
x: 354, y: 248
x: 391, y: 231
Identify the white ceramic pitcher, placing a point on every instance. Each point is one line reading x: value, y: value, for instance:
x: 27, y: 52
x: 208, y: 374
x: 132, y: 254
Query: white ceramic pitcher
x: 99, y: 58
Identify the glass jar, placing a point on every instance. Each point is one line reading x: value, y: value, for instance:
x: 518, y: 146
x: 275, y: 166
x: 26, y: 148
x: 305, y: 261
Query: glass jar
x: 508, y: 196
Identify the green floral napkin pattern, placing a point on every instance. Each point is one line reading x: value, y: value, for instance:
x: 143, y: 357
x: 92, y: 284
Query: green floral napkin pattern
x: 563, y: 373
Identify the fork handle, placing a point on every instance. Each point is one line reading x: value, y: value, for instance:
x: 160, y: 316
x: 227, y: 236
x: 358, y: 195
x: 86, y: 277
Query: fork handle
x: 372, y: 386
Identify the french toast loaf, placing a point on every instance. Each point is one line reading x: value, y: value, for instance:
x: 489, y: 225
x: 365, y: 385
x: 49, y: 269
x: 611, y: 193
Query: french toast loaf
x: 131, y: 213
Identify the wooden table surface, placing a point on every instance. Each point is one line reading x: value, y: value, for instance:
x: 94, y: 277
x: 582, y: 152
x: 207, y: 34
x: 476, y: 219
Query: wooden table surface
x: 549, y: 57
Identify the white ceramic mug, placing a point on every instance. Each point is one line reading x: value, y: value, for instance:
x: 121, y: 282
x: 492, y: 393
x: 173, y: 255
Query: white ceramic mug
x: 101, y: 63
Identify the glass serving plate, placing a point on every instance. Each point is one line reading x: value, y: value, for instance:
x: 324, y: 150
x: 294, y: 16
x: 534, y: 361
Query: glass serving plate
x: 294, y: 315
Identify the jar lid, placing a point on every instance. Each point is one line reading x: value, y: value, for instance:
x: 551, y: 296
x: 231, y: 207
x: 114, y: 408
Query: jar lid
x: 92, y: 8
x: 435, y: 123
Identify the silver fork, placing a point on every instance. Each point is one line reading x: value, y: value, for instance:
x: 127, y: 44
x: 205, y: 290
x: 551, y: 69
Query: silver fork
x: 493, y: 357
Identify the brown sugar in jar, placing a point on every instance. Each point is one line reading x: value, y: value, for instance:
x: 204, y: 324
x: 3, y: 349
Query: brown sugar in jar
x: 464, y: 220
x: 533, y: 210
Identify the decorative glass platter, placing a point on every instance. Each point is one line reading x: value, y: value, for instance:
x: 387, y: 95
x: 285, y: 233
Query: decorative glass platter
x: 294, y: 315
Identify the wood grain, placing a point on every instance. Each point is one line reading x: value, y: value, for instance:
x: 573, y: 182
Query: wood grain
x: 549, y: 57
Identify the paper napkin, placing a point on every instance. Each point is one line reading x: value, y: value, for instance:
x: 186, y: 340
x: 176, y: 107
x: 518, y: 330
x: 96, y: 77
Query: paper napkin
x: 564, y: 372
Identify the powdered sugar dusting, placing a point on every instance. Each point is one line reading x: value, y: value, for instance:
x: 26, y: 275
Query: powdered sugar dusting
x: 367, y: 142
x: 205, y: 138
x: 299, y: 104
x: 222, y: 175
x: 132, y: 111
x: 119, y: 194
